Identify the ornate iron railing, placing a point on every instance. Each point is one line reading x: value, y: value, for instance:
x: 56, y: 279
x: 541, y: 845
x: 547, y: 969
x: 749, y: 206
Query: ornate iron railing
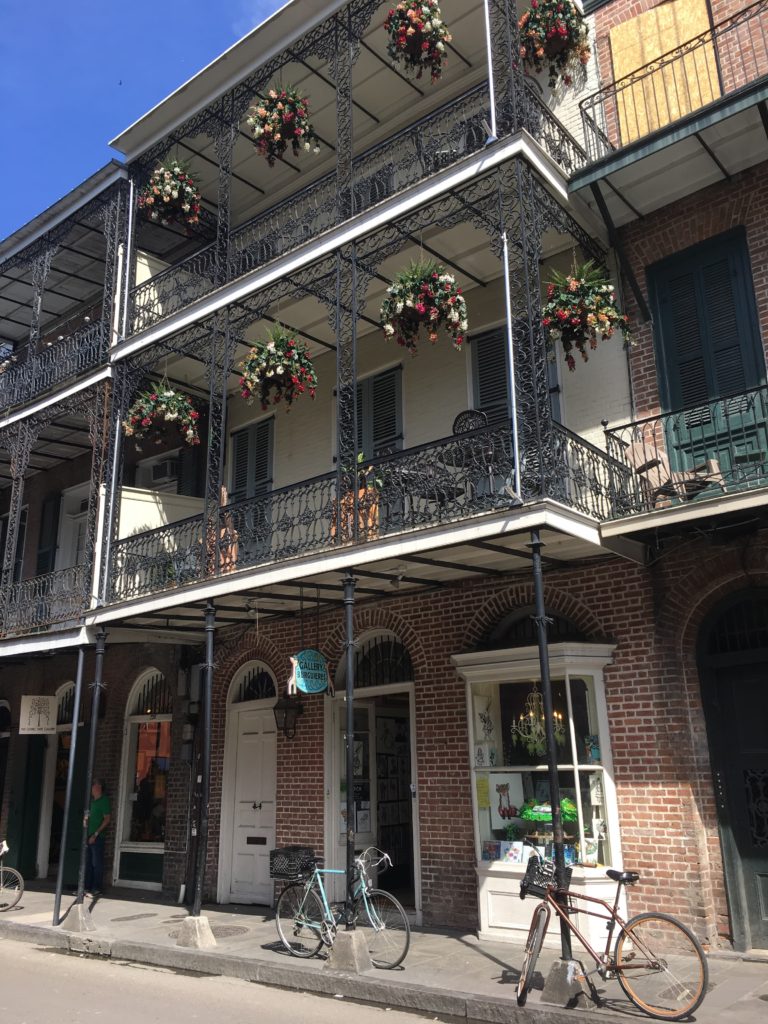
x: 444, y: 481
x: 721, y: 61
x: 442, y: 138
x: 56, y: 598
x: 691, y: 454
x: 71, y: 357
x: 161, y: 559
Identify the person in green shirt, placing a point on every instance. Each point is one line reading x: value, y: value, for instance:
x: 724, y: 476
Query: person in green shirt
x: 97, y: 819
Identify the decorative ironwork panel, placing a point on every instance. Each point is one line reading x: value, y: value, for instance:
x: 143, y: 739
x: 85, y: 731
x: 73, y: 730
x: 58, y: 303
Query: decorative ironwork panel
x: 65, y: 714
x: 694, y: 453
x: 344, y: 320
x: 154, y: 698
x: 284, y: 523
x: 382, y: 661
x: 582, y: 476
x: 257, y: 684
x: 43, y: 601
x: 157, y: 560
x: 219, y: 362
x: 756, y: 786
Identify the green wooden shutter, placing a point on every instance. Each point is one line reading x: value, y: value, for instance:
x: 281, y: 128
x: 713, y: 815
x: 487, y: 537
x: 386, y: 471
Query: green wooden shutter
x: 489, y: 374
x: 47, y: 543
x: 707, y: 342
x: 380, y: 413
x: 252, y: 451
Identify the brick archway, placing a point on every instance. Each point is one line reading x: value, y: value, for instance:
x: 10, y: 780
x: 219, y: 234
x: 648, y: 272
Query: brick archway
x: 369, y: 620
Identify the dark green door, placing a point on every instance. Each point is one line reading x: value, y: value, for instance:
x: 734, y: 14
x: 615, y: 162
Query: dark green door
x: 24, y: 808
x: 75, y: 823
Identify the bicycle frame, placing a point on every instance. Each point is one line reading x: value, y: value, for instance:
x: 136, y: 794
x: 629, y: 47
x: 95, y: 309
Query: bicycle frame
x: 605, y: 961
x: 315, y: 882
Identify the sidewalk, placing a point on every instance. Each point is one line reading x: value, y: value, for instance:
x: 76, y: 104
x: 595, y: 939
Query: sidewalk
x: 445, y: 974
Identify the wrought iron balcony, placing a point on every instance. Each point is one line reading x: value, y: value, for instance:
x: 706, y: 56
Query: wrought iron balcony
x: 445, y: 481
x: 71, y: 357
x: 439, y: 140
x: 718, y: 63
x: 56, y: 599
x: 692, y: 454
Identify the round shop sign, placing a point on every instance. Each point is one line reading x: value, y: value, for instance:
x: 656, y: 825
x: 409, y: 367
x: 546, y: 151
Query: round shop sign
x: 309, y: 673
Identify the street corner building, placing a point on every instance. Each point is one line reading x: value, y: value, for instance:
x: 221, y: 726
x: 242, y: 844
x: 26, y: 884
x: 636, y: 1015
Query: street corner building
x: 352, y: 328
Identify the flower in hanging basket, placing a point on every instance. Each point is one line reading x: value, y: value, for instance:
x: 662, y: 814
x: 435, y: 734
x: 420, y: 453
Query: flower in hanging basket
x: 580, y: 309
x: 278, y: 369
x: 162, y: 404
x: 424, y: 295
x: 554, y: 35
x: 418, y: 38
x: 171, y: 195
x: 280, y: 120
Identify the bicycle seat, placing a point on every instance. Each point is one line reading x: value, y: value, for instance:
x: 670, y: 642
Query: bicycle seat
x: 625, y: 877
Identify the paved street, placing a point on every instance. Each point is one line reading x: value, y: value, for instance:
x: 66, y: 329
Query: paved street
x: 39, y: 986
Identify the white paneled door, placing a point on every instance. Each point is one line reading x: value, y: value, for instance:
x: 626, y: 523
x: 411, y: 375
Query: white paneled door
x: 254, y: 807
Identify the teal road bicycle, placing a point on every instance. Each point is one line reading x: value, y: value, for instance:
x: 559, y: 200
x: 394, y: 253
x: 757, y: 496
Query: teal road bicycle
x: 307, y: 921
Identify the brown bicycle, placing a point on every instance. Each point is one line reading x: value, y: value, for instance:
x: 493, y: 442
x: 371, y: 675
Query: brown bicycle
x: 658, y: 962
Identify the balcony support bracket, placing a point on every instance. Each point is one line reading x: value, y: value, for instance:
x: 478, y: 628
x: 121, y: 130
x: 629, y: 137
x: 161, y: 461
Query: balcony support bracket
x: 622, y: 256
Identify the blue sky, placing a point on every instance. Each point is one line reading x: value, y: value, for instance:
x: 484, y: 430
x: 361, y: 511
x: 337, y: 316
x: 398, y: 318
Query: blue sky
x: 74, y: 73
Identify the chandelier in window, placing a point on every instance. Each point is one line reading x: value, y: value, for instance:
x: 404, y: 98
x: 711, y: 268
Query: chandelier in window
x: 529, y: 728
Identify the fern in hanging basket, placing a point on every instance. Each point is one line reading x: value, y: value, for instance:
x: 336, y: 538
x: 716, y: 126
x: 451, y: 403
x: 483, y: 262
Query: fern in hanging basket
x: 418, y: 37
x: 554, y: 36
x: 424, y: 296
x: 170, y: 195
x: 162, y: 405
x: 580, y: 309
x: 280, y: 120
x: 277, y: 370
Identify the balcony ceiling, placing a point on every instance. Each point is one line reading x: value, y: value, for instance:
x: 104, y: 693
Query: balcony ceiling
x: 676, y: 162
x: 65, y: 439
x: 384, y: 102
x: 504, y: 557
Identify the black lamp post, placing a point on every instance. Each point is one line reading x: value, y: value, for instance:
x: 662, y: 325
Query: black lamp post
x: 286, y: 711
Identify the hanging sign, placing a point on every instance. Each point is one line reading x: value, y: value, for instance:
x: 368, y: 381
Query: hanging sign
x: 38, y: 716
x: 309, y: 673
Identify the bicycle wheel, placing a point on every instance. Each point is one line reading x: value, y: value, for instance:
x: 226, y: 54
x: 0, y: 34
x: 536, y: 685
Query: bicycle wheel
x: 299, y: 917
x: 386, y: 929
x: 661, y: 966
x: 11, y: 887
x: 536, y: 933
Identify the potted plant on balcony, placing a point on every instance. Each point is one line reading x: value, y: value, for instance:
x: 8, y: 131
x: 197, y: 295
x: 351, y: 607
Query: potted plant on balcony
x: 280, y: 120
x: 171, y: 195
x: 278, y: 369
x: 425, y: 296
x: 580, y: 309
x: 418, y: 37
x: 365, y: 484
x: 554, y: 35
x: 162, y: 405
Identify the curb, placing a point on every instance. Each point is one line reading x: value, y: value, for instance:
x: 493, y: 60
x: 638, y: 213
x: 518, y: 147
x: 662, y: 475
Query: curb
x: 297, y: 977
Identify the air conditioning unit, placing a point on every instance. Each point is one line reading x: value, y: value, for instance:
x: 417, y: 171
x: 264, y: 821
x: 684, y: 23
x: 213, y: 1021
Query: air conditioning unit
x: 165, y: 471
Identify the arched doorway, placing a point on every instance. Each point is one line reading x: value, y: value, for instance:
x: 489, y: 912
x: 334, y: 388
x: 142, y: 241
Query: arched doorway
x: 248, y: 806
x: 733, y: 666
x: 140, y: 828
x: 386, y: 814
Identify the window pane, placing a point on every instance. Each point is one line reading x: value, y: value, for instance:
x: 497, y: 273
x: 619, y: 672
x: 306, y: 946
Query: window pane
x: 147, y: 802
x: 522, y: 723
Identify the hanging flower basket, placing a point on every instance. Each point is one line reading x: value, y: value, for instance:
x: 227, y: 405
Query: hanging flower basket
x: 581, y: 308
x: 424, y: 296
x: 554, y: 36
x: 171, y: 195
x: 417, y: 37
x: 162, y: 405
x: 281, y: 120
x: 277, y: 370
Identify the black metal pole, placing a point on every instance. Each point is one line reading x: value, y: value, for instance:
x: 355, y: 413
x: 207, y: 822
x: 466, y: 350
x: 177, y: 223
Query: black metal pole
x: 540, y: 618
x: 97, y: 684
x: 70, y: 781
x: 205, y: 798
x: 349, y: 640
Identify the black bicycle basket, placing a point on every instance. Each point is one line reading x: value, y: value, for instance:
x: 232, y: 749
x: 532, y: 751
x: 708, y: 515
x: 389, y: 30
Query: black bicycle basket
x: 539, y: 877
x: 291, y: 862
